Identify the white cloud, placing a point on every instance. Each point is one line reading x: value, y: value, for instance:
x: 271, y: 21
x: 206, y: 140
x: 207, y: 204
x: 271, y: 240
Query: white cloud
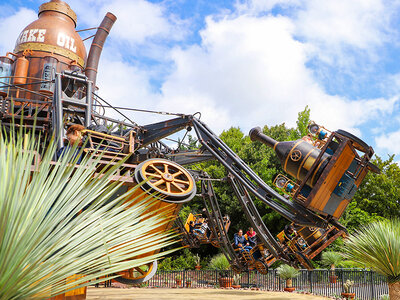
x: 249, y: 68
x: 257, y: 6
x: 253, y: 72
x: 11, y: 27
x: 389, y: 142
x: 137, y: 20
x: 359, y: 23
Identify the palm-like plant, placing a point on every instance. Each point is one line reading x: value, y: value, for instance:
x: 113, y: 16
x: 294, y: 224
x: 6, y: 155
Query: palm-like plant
x: 287, y: 273
x: 377, y: 246
x: 59, y: 221
x: 219, y: 262
x: 331, y: 259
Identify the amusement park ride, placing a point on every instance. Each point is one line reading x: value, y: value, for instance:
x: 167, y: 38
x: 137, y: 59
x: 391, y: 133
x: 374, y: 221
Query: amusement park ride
x: 49, y: 80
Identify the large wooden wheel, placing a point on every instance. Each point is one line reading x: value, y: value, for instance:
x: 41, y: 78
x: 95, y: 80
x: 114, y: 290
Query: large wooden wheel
x: 138, y: 274
x: 171, y: 181
x: 261, y: 267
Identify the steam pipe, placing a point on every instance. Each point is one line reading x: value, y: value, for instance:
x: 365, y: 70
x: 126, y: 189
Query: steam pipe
x: 97, y: 46
x: 257, y: 135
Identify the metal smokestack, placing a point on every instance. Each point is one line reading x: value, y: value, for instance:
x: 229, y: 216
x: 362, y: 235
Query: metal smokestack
x: 97, y: 46
x: 257, y: 135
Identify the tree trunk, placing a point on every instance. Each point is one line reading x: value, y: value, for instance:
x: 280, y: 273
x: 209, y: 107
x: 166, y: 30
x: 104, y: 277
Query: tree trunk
x: 394, y: 291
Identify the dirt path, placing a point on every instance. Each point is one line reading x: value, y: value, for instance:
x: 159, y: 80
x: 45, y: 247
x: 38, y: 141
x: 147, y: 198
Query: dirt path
x: 197, y: 294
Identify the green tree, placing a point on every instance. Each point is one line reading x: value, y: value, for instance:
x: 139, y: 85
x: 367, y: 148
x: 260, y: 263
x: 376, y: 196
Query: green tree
x: 379, y: 194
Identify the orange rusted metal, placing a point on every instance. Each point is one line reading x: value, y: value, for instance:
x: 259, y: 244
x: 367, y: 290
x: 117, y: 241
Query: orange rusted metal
x: 54, y: 46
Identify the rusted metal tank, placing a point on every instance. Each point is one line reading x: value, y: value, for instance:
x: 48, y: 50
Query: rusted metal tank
x: 48, y: 45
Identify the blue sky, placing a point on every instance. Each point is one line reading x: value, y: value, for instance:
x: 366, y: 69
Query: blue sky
x: 247, y: 63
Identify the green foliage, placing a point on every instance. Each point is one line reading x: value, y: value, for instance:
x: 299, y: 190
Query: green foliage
x: 185, y: 261
x: 60, y: 220
x: 354, y: 216
x: 379, y: 195
x: 331, y: 258
x: 219, y: 262
x: 377, y: 246
x: 303, y: 119
x: 287, y: 272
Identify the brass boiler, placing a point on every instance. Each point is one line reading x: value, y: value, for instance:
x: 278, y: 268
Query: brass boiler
x: 47, y: 45
x: 296, y: 157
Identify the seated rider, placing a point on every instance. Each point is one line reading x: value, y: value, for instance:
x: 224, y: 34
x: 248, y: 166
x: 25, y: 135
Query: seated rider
x: 289, y: 232
x: 191, y: 227
x: 200, y: 232
x: 251, y: 237
x: 74, y: 136
x: 240, y: 242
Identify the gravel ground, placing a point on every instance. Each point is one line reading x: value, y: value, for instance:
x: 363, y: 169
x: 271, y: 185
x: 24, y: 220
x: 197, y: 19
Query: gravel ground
x: 185, y: 293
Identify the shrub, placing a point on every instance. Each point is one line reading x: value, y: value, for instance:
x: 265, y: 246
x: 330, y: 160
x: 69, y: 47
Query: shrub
x: 331, y: 258
x: 287, y: 272
x: 219, y: 262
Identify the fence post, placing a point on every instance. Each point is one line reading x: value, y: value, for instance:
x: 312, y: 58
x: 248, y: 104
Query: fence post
x: 184, y: 278
x: 310, y: 279
x: 342, y: 273
x: 216, y: 276
x: 372, y: 285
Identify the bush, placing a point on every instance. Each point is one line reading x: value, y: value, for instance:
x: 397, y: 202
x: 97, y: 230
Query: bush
x: 219, y: 262
x: 331, y: 259
x: 184, y: 261
x: 287, y: 272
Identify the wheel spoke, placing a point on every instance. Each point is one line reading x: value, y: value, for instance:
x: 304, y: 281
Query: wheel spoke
x: 152, y: 175
x: 168, y: 187
x: 182, y: 181
x: 165, y: 168
x: 140, y: 270
x: 155, y: 168
x: 182, y: 190
x: 158, y: 182
x: 177, y: 173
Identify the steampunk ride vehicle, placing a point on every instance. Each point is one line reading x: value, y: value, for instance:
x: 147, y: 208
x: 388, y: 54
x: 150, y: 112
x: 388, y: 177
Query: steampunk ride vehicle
x: 49, y: 81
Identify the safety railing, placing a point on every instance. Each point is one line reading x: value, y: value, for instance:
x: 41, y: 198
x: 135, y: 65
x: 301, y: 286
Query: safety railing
x: 367, y: 284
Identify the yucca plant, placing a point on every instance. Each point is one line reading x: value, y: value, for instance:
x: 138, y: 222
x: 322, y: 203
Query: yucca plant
x: 287, y: 273
x: 377, y: 245
x: 219, y: 262
x: 331, y: 259
x: 59, y: 221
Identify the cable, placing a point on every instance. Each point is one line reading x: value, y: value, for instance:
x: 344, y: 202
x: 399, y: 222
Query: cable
x: 141, y: 110
x: 101, y: 99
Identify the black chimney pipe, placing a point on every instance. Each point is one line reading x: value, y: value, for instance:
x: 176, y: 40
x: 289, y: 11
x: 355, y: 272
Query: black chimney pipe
x: 97, y: 46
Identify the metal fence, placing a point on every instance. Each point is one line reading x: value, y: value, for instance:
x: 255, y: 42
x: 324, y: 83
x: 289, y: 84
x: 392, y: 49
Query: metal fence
x: 367, y: 284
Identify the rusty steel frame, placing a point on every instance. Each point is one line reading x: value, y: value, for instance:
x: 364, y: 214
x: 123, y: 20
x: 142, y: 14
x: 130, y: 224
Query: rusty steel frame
x: 244, y: 180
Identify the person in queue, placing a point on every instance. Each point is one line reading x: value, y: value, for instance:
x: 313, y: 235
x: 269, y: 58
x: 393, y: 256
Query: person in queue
x: 74, y: 136
x: 252, y: 237
x: 240, y: 242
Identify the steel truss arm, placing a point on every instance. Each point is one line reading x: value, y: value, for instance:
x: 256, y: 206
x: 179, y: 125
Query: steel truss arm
x: 253, y: 183
x: 215, y: 219
x: 255, y: 219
